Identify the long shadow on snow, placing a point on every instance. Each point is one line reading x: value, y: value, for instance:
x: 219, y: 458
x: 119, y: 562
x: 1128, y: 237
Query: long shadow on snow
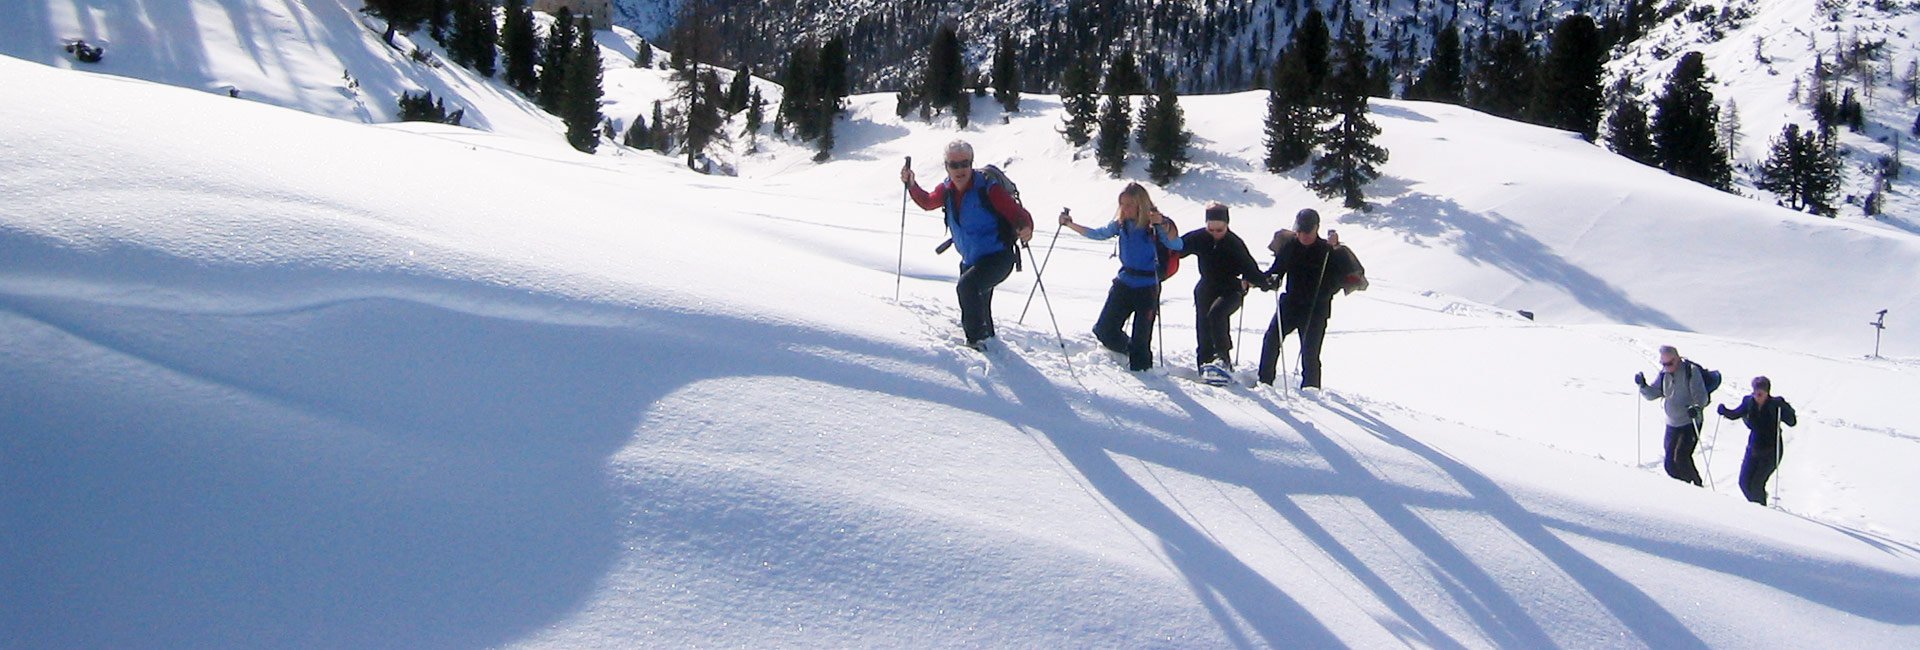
x: 1429, y: 220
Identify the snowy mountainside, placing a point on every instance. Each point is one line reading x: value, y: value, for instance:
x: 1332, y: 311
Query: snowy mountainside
x: 256, y: 399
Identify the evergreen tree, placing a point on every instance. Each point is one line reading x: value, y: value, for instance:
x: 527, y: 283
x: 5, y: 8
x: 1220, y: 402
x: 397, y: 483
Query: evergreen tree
x: 1804, y: 170
x: 1116, y: 114
x: 662, y: 130
x: 1568, y: 95
x: 440, y: 16
x: 1292, y: 119
x: 519, y: 47
x: 581, y: 107
x: 1441, y: 81
x: 1851, y: 113
x: 962, y: 110
x: 401, y: 15
x: 1503, y: 76
x: 423, y: 108
x: 1685, y: 127
x: 474, y: 37
x: 637, y: 136
x: 833, y: 76
x: 1350, y: 159
x: 825, y: 143
x: 554, y: 61
x: 1313, y: 43
x: 1163, y: 135
x: 698, y: 88
x: 1627, y: 133
x: 1080, y: 102
x: 643, y: 57
x: 798, y: 106
x: 737, y: 90
x: 943, y: 67
x: 756, y: 115
x: 1006, y: 75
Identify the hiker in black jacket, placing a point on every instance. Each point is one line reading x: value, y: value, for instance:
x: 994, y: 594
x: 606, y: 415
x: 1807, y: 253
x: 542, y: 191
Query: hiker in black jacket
x: 1764, y: 414
x: 1314, y: 270
x: 1227, y: 269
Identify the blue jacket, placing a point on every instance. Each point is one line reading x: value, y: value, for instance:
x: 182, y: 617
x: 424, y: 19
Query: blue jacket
x: 1139, y: 264
x: 974, y: 225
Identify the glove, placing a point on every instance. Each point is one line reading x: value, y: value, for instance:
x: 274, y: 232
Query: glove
x: 1722, y: 410
x: 1640, y: 379
x: 1694, y: 412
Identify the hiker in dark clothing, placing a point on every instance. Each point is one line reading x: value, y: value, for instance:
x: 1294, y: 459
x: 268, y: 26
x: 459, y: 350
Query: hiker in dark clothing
x: 987, y: 224
x: 1764, y: 414
x: 1685, y: 391
x: 1227, y: 269
x: 1136, y: 291
x: 1314, y: 270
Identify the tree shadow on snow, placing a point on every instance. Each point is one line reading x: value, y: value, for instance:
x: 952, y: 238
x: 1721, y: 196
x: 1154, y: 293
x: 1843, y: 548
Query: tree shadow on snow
x: 1429, y: 220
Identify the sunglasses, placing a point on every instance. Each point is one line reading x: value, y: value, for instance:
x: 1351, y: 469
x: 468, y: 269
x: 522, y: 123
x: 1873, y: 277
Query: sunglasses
x: 959, y: 164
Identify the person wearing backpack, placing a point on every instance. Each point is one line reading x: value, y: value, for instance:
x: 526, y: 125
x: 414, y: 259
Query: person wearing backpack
x: 1764, y: 415
x: 987, y: 223
x: 1136, y: 290
x: 1227, y: 270
x: 1683, y: 384
x: 1314, y: 269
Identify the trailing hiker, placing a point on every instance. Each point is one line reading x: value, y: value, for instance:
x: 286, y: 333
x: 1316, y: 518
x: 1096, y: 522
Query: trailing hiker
x: 987, y: 223
x: 1314, y: 270
x: 1764, y: 414
x: 1683, y: 384
x: 1227, y: 270
x: 1136, y: 290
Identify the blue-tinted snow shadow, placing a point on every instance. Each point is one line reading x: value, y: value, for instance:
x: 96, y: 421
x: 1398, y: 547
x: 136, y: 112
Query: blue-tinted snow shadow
x: 1429, y: 220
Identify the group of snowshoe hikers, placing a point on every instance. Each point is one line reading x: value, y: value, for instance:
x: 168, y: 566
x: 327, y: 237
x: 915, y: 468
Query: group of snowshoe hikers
x: 989, y: 225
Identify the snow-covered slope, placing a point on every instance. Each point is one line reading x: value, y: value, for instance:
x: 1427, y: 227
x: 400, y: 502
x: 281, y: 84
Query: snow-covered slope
x: 254, y: 399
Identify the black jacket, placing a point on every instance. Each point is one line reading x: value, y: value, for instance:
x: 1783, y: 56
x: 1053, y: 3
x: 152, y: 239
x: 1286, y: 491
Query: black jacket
x: 1763, y: 421
x: 1223, y: 263
x: 1315, y: 271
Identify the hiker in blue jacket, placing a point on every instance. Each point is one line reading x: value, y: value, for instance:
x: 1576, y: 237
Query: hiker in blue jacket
x: 1685, y: 390
x: 987, y: 224
x: 1764, y: 414
x: 1136, y: 290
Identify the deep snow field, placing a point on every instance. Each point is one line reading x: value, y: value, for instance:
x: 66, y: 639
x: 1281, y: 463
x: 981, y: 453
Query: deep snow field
x: 270, y: 379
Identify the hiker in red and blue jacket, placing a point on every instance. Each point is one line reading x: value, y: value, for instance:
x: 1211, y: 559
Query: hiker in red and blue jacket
x: 1136, y: 291
x: 987, y: 224
x: 1764, y: 414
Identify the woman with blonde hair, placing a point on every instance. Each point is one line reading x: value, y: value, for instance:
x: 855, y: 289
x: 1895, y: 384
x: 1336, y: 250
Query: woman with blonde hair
x: 1136, y: 290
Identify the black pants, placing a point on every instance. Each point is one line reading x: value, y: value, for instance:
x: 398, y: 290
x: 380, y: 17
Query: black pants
x: 1142, y: 305
x: 1679, y: 445
x: 976, y: 292
x: 1311, y: 336
x: 1214, y: 307
x: 1756, y: 469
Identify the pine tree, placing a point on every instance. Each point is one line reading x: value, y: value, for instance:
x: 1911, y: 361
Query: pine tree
x: 1851, y: 113
x: 737, y: 90
x: 474, y: 37
x: 833, y: 76
x: 697, y: 87
x: 422, y: 108
x: 1568, y: 95
x: 554, y: 61
x: 1804, y: 170
x: 642, y: 56
x: 519, y: 48
x: 662, y: 131
x: 1081, y: 104
x: 440, y: 16
x: 1006, y: 75
x: 1503, y: 76
x: 1116, y: 114
x: 943, y: 67
x: 962, y: 110
x: 1350, y: 159
x: 1313, y: 42
x: 1685, y: 127
x: 401, y: 15
x: 1730, y: 127
x: 801, y: 82
x: 637, y: 136
x: 1441, y: 81
x: 1163, y: 135
x: 1292, y: 119
x: 756, y: 115
x: 581, y: 107
x: 1627, y: 133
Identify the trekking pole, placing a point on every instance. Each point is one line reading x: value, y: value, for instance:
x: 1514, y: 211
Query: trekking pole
x: 1040, y: 267
x: 1062, y: 339
x: 1240, y: 333
x: 900, y: 261
x: 1700, y: 427
x: 1639, y: 414
x: 1280, y: 308
x: 1779, y: 455
x: 1712, y: 446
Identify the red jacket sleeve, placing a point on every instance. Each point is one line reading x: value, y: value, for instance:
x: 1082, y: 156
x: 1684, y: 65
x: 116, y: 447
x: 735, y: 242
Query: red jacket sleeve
x: 1010, y: 209
x: 926, y: 201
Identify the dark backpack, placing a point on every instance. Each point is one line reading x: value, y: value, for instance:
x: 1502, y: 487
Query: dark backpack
x: 991, y: 176
x: 1709, y: 377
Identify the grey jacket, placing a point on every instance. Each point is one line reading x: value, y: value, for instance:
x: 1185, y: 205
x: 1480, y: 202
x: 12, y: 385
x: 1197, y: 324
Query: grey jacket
x: 1683, y: 389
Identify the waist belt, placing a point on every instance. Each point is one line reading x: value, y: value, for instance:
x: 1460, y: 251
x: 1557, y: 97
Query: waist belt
x: 1138, y: 273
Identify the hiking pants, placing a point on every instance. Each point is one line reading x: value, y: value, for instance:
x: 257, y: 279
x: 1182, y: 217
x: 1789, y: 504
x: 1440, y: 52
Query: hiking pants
x: 1139, y: 303
x: 1679, y: 444
x: 1311, y: 336
x: 1756, y: 469
x: 1213, y: 315
x: 976, y: 292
